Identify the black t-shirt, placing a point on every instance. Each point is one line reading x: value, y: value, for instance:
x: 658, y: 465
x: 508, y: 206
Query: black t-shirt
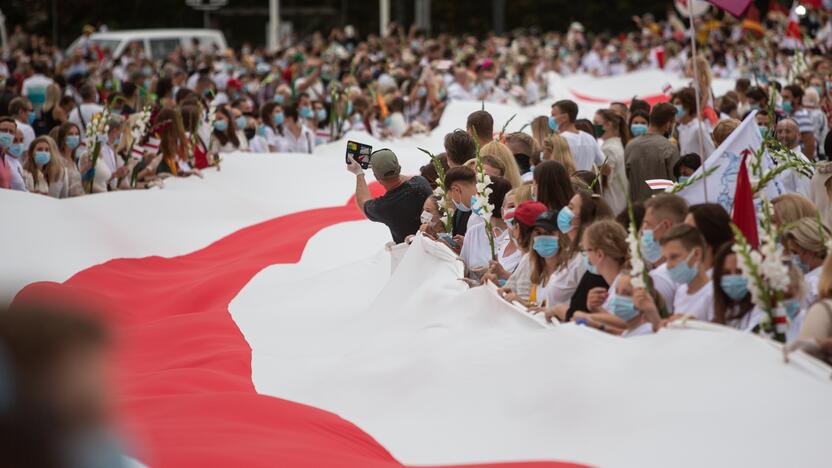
x: 461, y: 222
x: 401, y: 208
x: 578, y: 301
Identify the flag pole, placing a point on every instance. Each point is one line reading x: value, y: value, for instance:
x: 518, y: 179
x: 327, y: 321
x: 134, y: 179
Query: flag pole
x: 696, y: 88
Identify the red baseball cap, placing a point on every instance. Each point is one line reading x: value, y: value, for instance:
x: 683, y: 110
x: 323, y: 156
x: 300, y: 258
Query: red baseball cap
x: 528, y: 211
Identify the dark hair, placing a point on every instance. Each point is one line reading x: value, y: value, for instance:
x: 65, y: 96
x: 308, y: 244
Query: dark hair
x: 796, y: 90
x: 723, y: 310
x: 638, y: 113
x: 662, y: 114
x: 690, y: 160
x: 230, y: 133
x: 17, y: 104
x: 291, y: 111
x: 499, y: 188
x: 727, y: 104
x: 428, y: 171
x: 638, y: 105
x: 742, y: 84
x: 266, y: 111
x: 460, y: 147
x: 687, y: 98
x: 714, y: 223
x: 585, y: 125
x: 481, y: 122
x: 623, y: 218
x: 460, y: 174
x: 757, y: 94
x: 7, y: 118
x: 554, y: 189
x: 568, y: 107
x: 164, y: 87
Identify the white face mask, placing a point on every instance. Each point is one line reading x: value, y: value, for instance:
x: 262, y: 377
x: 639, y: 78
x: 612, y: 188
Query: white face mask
x: 426, y: 217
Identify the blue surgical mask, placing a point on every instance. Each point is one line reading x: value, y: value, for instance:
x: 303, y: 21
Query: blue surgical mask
x: 787, y: 107
x: 278, y: 98
x: 278, y: 118
x: 73, y: 141
x: 240, y: 121
x: 31, y: 117
x: 6, y: 139
x: 117, y: 141
x: 623, y: 307
x: 792, y: 307
x: 680, y: 112
x: 546, y: 246
x: 683, y: 179
x: 734, y: 286
x: 220, y: 125
x: 16, y: 150
x: 589, y: 266
x: 261, y: 130
x: 349, y: 108
x: 565, y: 217
x: 763, y: 131
x: 42, y: 158
x: 553, y: 123
x: 797, y: 262
x: 388, y: 121
x: 638, y: 129
x: 460, y: 206
x: 650, y: 249
x: 421, y: 92
x: 306, y: 112
x: 321, y: 115
x: 683, y: 273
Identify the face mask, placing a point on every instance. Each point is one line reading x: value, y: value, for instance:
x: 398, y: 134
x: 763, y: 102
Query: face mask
x: 763, y: 132
x: 72, y: 141
x: 6, y: 140
x: 734, y: 286
x: 565, y: 217
x: 638, y: 129
x: 623, y: 308
x: 349, y: 107
x: 220, y: 125
x: 792, y: 308
x: 442, y: 94
x: 787, y: 107
x: 650, y: 249
x: 754, y: 107
x: 261, y: 130
x: 240, y: 121
x: 306, y: 112
x: 684, y: 273
x: 460, y: 206
x: 797, y: 262
x: 546, y: 246
x: 426, y: 217
x: 278, y: 118
x: 553, y: 123
x: 321, y: 115
x: 16, y: 150
x: 249, y: 132
x: 589, y: 267
x: 42, y: 158
x: 421, y: 92
x: 278, y: 98
x: 683, y: 179
x: 680, y: 112
x: 31, y: 117
x: 117, y: 141
x: 388, y: 121
x: 599, y: 130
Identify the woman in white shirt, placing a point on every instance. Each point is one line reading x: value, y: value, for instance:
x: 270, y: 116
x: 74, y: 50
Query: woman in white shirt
x: 732, y: 301
x: 583, y: 209
x: 476, y: 250
x: 271, y: 124
x: 805, y: 241
x: 224, y: 138
x: 296, y: 137
x: 240, y: 123
x: 45, y: 173
x: 613, y: 131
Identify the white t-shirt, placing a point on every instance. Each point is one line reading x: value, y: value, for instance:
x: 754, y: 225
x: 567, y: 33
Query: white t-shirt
x: 509, y: 262
x: 34, y: 88
x: 585, y: 150
x: 520, y: 281
x: 565, y: 281
x: 476, y: 252
x: 303, y: 143
x: 88, y: 110
x: 689, y: 138
x: 459, y: 93
x: 664, y: 285
x: 699, y: 305
x: 793, y: 181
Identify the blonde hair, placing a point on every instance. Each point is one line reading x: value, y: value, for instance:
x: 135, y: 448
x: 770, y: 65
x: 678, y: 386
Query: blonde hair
x: 558, y: 150
x: 791, y: 207
x: 809, y: 234
x: 53, y: 97
x: 540, y: 130
x: 522, y: 193
x: 501, y: 152
x: 723, y: 129
x: 53, y: 170
x: 610, y: 237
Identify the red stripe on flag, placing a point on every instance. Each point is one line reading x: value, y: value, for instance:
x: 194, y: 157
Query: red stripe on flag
x: 186, y: 396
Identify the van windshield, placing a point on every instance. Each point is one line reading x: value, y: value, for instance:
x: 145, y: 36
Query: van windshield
x: 107, y: 43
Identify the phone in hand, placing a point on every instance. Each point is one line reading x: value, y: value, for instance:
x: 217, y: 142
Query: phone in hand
x: 360, y: 152
x: 448, y: 239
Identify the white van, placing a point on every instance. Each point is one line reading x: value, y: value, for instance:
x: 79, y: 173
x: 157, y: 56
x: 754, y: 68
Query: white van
x: 157, y: 43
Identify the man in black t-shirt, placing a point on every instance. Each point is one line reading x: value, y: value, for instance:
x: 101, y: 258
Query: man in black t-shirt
x: 400, y: 208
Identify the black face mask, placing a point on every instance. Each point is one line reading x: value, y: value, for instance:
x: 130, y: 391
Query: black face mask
x: 249, y: 132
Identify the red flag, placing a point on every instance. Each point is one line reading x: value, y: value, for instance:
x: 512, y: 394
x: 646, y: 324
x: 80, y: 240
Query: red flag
x: 793, y: 29
x: 744, y: 214
x: 735, y: 7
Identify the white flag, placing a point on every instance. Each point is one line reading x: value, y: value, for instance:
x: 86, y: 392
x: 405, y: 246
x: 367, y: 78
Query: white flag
x: 722, y: 183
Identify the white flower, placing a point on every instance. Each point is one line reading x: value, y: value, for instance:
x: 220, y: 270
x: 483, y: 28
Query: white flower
x: 439, y: 192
